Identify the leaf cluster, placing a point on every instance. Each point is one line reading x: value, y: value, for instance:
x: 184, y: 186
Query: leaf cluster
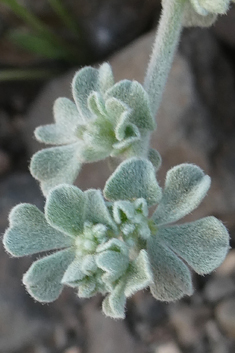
x: 107, y: 241
x: 114, y: 247
x: 105, y: 119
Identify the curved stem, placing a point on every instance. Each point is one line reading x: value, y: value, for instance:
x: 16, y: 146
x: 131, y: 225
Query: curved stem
x: 165, y: 45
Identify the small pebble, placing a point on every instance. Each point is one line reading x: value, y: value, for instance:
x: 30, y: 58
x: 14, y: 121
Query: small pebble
x: 73, y: 350
x: 60, y: 336
x: 168, y: 348
x: 225, y: 315
x: 228, y: 266
x: 218, y: 288
x: 188, y: 322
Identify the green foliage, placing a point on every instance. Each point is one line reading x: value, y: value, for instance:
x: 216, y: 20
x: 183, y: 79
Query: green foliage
x: 133, y: 179
x: 137, y: 277
x: 29, y: 232
x: 113, y: 246
x: 64, y: 129
x: 36, y: 44
x: 172, y: 278
x: 107, y: 119
x: 54, y: 166
x: 65, y: 209
x: 192, y: 185
x: 43, y: 279
x: 40, y: 39
x: 135, y: 97
x: 191, y: 244
x: 155, y: 158
x: 132, y: 216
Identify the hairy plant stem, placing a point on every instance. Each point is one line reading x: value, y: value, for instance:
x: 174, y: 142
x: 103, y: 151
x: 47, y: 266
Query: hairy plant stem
x: 166, y: 42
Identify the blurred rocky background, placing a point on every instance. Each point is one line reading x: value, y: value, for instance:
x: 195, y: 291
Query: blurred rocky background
x: 196, y: 124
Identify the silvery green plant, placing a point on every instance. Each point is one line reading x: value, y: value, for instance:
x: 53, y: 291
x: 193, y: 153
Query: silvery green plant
x: 110, y: 242
x: 107, y: 119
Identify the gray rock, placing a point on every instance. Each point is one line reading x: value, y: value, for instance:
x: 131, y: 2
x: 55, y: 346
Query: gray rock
x: 170, y: 347
x: 225, y: 315
x: 228, y: 266
x: 106, y: 335
x: 189, y: 323
x: 73, y: 350
x: 149, y: 312
x: 218, y: 342
x: 149, y: 317
x: 18, y: 330
x: 217, y: 288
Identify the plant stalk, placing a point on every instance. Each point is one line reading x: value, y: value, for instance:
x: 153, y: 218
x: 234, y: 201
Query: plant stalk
x: 166, y: 42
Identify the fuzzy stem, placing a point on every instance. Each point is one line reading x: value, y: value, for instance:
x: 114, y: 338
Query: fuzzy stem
x: 166, y: 42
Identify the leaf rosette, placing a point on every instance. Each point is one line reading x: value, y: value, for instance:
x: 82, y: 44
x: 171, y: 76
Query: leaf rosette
x: 167, y: 250
x: 114, y: 247
x: 105, y: 119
